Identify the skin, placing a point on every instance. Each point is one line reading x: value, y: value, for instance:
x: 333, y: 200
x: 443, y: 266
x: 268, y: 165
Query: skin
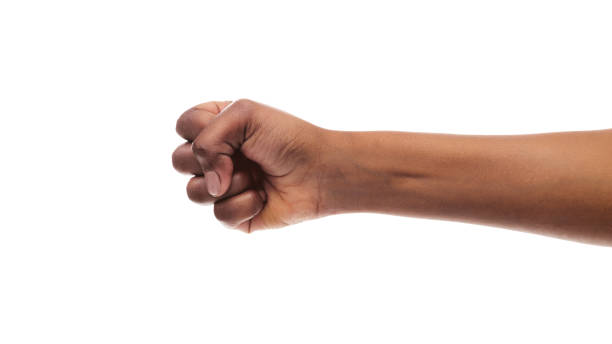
x: 263, y: 168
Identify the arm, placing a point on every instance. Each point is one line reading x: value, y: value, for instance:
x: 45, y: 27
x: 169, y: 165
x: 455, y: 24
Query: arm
x: 556, y: 184
x: 263, y: 168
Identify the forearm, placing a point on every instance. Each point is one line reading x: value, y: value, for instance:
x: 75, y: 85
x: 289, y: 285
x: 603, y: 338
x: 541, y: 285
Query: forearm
x: 556, y: 184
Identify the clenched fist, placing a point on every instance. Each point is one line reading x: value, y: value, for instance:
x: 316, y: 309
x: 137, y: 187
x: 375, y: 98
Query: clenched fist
x: 260, y: 167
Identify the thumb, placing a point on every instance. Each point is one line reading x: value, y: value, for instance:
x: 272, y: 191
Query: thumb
x: 219, y: 141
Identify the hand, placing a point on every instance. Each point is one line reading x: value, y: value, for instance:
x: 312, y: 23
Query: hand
x: 260, y: 167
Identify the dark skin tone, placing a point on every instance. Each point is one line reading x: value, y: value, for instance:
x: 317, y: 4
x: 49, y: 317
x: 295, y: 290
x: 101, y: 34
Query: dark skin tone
x: 263, y: 168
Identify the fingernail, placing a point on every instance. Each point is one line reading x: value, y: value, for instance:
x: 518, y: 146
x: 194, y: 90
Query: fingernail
x: 213, y: 184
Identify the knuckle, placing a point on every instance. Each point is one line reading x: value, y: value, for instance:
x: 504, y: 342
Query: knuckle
x: 181, y: 158
x: 180, y: 125
x: 244, y: 102
x: 176, y: 159
x: 240, y: 181
x: 253, y: 201
x: 204, y: 141
x: 196, y: 190
x: 221, y: 212
x: 201, y: 147
x: 244, y: 105
x: 183, y: 122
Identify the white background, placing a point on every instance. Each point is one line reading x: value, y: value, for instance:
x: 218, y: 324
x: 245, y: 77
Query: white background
x: 99, y: 243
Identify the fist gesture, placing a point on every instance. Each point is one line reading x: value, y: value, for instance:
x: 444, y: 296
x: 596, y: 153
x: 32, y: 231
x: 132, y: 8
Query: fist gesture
x: 258, y: 165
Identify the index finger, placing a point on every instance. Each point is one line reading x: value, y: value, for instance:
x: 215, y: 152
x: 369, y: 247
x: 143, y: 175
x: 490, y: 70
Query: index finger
x: 192, y: 121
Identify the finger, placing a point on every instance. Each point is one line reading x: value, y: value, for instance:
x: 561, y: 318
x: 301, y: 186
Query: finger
x: 196, y: 187
x: 192, y: 121
x: 236, y: 211
x: 184, y: 161
x: 219, y: 140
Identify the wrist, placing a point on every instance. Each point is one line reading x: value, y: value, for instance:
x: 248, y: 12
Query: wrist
x: 364, y: 172
x: 337, y: 178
